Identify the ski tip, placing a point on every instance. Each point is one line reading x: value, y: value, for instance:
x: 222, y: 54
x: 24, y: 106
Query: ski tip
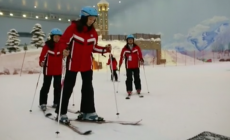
x: 87, y: 132
x: 139, y: 121
x: 136, y: 123
x: 48, y: 114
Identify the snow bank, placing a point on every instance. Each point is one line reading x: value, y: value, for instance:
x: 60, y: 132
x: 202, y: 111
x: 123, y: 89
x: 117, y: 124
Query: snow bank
x: 175, y: 58
x: 11, y: 63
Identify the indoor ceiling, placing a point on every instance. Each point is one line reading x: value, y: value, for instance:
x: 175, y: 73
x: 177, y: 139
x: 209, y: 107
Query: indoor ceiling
x: 64, y: 7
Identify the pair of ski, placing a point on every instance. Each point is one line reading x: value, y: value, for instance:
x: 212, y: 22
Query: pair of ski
x: 87, y: 132
x: 101, y: 122
x: 129, y: 96
x: 106, y: 121
x: 69, y: 125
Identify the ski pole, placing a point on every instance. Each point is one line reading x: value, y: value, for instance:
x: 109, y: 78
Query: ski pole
x: 73, y: 99
x: 36, y: 89
x: 119, y: 80
x: 115, y: 97
x: 107, y: 72
x: 60, y: 102
x: 22, y: 63
x: 145, y: 78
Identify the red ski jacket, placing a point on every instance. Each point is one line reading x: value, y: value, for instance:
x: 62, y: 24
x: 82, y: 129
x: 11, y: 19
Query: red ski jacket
x: 132, y: 57
x: 81, y: 45
x: 52, y: 60
x: 114, y: 63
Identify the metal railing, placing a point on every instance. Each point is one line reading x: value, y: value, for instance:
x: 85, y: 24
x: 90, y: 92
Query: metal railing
x: 136, y: 35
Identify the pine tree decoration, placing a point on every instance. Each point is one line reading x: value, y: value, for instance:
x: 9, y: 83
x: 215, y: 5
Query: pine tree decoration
x: 37, y: 36
x: 13, y: 42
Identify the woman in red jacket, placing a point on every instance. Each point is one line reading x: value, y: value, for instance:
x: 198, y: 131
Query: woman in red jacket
x: 51, y: 61
x: 133, y: 58
x: 114, y: 67
x: 81, y: 37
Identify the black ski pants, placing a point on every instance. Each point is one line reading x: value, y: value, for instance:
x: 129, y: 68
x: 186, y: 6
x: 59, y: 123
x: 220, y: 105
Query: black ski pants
x: 87, y: 91
x: 130, y: 73
x: 46, y: 87
x: 114, y: 75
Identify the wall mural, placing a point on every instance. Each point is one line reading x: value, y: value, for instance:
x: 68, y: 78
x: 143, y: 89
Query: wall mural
x: 208, y: 40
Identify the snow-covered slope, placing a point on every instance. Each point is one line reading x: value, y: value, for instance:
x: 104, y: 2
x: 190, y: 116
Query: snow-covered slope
x: 182, y: 103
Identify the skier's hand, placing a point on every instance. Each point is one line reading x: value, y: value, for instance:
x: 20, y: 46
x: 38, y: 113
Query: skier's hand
x: 42, y: 64
x: 65, y: 53
x: 108, y: 48
x: 142, y: 61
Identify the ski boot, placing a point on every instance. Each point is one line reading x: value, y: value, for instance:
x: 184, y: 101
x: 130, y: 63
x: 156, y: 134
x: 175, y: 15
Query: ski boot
x: 63, y: 119
x: 92, y: 117
x: 43, y: 107
x: 138, y: 91
x: 129, y: 94
x: 54, y: 106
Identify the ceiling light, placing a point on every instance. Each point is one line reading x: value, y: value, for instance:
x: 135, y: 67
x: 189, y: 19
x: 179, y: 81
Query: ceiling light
x: 35, y: 6
x: 46, y: 17
x: 59, y: 18
x: 24, y: 15
x: 11, y: 14
x: 36, y: 16
x: 69, y: 20
x: 119, y: 1
x: 1, y: 13
x: 94, y: 6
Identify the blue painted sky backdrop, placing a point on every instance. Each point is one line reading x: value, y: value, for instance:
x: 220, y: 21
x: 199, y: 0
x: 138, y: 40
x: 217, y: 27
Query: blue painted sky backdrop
x: 183, y: 24
x: 176, y: 20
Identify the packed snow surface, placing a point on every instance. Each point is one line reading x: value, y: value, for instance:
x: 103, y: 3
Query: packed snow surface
x: 183, y: 102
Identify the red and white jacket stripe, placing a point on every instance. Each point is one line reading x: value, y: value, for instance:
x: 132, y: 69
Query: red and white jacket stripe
x: 132, y: 57
x: 52, y: 60
x: 81, y: 45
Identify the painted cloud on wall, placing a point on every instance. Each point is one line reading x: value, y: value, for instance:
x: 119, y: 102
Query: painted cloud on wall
x: 209, y: 34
